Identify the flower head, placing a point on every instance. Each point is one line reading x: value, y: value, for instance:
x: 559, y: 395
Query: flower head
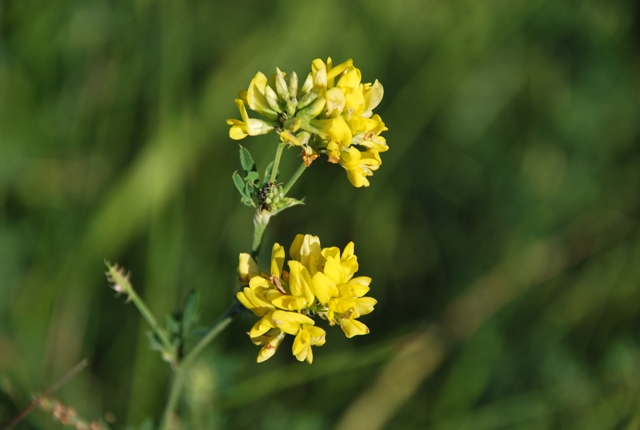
x: 248, y: 126
x: 320, y: 282
x: 332, y: 114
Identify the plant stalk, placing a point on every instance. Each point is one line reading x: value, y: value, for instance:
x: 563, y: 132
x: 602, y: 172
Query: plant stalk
x: 276, y: 162
x: 169, y: 419
x: 151, y: 320
x: 296, y: 175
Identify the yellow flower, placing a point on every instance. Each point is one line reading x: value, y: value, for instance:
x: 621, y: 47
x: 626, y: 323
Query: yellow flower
x: 247, y: 268
x: 277, y: 260
x: 334, y: 129
x: 373, y: 94
x: 300, y: 282
x: 325, y: 74
x: 341, y: 293
x: 263, y: 325
x: 352, y: 327
x: 306, y: 249
x: 290, y: 322
x: 248, y: 126
x: 335, y: 101
x: 350, y: 300
x: 324, y: 288
x: 271, y: 341
x: 349, y: 80
x: 340, y: 268
x: 255, y: 300
x: 319, y: 282
x: 307, y: 336
x: 359, y: 165
x: 368, y: 134
x: 260, y: 97
x: 332, y: 114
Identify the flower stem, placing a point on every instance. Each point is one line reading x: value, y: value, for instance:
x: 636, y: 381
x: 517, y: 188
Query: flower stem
x: 294, y: 178
x: 276, y: 162
x: 121, y: 284
x: 169, y: 419
x: 168, y: 348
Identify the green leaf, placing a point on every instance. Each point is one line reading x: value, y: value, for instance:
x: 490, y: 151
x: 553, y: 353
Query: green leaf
x: 248, y: 201
x: 253, y: 178
x: 267, y: 173
x: 239, y: 183
x: 173, y: 324
x: 190, y: 309
x: 249, y: 189
x: 154, y: 342
x: 245, y: 159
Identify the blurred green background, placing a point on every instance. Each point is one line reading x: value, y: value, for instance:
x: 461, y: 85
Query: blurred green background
x: 501, y: 231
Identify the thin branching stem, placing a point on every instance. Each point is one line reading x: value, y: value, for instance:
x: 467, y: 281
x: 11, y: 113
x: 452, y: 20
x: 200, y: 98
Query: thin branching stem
x: 53, y: 388
x: 157, y: 330
x: 294, y: 178
x: 169, y: 419
x: 276, y: 162
x: 121, y: 284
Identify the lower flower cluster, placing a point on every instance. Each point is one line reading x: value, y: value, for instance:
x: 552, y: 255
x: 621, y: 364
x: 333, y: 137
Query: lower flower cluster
x: 319, y: 282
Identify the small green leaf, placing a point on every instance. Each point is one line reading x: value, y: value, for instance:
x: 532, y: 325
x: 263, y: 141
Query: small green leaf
x: 253, y: 178
x: 248, y: 201
x: 248, y: 189
x: 173, y: 324
x: 267, y: 173
x: 190, y: 309
x: 154, y: 342
x: 238, y: 182
x: 245, y: 159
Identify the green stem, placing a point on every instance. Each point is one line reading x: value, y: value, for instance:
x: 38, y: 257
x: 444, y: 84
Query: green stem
x: 276, y: 162
x: 182, y: 370
x: 168, y: 348
x: 294, y: 178
x: 121, y: 284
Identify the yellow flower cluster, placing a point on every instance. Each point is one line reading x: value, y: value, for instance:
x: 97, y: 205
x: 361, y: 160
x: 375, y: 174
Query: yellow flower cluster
x: 319, y: 282
x: 332, y: 114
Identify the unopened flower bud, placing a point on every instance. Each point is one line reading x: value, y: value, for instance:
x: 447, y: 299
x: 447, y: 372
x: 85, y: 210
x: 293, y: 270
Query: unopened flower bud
x: 307, y: 99
x: 272, y: 99
x: 291, y: 107
x: 293, y: 85
x: 282, y: 88
x: 313, y: 110
x: 308, y: 84
x: 292, y: 124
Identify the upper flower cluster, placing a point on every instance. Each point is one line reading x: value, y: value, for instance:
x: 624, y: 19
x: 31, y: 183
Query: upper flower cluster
x: 332, y: 113
x: 318, y: 282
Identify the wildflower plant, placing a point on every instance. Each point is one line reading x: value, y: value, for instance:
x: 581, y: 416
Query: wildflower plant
x: 330, y: 114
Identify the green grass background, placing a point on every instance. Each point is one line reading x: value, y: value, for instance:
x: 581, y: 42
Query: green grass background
x: 501, y: 231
